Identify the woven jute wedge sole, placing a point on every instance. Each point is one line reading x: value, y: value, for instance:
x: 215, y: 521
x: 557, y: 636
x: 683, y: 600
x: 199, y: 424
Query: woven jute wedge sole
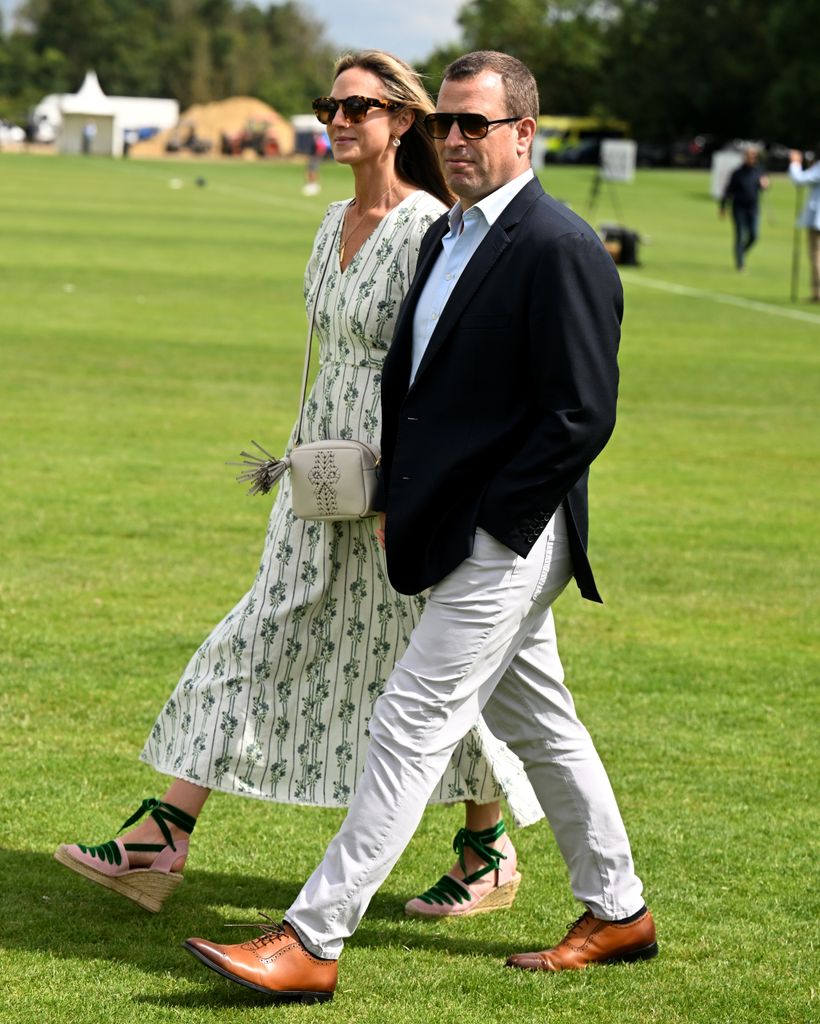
x: 497, y: 899
x: 150, y: 889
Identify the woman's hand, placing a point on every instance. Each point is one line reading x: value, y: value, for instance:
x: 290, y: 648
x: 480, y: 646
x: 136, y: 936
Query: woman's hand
x: 380, y: 528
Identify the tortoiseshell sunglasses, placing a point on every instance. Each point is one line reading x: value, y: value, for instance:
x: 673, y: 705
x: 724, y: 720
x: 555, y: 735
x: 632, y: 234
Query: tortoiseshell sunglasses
x: 354, y: 108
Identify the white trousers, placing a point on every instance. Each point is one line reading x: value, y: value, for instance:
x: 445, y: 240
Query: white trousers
x: 485, y: 642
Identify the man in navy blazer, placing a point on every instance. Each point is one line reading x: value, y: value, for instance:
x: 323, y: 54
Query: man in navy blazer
x: 513, y: 398
x: 498, y: 392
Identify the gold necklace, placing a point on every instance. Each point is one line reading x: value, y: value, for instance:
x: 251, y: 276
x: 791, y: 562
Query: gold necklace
x: 359, y: 221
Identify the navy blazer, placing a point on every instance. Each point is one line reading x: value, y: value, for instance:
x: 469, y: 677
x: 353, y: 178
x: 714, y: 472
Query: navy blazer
x: 514, y: 398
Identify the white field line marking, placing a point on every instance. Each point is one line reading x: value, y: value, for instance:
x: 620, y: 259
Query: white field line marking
x: 254, y: 196
x: 728, y: 300
x: 239, y: 191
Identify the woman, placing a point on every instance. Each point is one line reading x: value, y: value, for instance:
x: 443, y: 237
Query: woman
x: 275, y: 703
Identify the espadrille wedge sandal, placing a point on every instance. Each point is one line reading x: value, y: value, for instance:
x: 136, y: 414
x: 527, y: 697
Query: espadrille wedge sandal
x: 490, y: 888
x: 108, y: 864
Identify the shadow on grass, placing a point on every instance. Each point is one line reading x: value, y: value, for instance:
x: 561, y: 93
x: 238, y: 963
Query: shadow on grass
x: 51, y: 910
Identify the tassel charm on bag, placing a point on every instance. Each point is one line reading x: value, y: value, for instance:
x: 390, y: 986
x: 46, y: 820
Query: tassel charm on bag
x: 261, y: 474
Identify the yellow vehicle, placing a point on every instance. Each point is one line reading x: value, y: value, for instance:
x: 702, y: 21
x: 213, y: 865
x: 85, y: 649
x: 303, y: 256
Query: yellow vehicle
x: 564, y: 132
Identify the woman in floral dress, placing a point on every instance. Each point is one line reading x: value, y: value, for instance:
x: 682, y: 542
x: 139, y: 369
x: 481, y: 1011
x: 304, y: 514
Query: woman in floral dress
x: 275, y: 703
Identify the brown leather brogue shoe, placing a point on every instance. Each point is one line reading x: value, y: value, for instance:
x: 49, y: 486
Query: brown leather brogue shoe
x: 276, y: 963
x: 593, y: 941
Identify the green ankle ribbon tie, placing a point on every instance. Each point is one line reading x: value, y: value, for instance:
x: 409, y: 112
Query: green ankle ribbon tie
x: 448, y: 889
x: 162, y: 812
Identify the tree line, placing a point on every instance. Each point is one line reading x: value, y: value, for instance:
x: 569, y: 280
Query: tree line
x: 194, y: 51
x: 671, y: 68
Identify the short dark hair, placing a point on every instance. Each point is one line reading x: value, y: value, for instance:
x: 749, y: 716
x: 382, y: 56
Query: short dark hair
x: 519, y: 84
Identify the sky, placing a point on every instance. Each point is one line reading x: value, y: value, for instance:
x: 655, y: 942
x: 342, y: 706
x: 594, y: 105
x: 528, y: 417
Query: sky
x: 411, y: 29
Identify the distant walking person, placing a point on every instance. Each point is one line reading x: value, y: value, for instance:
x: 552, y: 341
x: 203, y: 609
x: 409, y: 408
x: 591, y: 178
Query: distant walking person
x: 743, y: 191
x: 89, y: 135
x: 319, y: 148
x: 810, y: 217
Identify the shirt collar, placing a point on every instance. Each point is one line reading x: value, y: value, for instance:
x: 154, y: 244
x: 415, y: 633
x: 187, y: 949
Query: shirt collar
x: 491, y: 206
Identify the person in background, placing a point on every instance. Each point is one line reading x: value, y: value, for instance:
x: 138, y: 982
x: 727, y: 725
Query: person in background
x: 810, y: 217
x: 743, y: 192
x: 319, y: 148
x: 89, y: 135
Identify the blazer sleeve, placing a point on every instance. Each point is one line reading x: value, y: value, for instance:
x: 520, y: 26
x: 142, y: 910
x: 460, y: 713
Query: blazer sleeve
x: 573, y: 331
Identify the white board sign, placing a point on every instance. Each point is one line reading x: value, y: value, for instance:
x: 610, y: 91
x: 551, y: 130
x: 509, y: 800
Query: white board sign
x: 618, y: 159
x: 723, y: 163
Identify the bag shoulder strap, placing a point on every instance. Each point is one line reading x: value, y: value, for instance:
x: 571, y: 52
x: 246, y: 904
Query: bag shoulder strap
x: 330, y: 255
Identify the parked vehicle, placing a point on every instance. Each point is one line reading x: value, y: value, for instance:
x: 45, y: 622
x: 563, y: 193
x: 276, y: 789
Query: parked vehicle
x: 653, y: 154
x: 586, y: 152
x: 256, y: 135
x: 561, y: 133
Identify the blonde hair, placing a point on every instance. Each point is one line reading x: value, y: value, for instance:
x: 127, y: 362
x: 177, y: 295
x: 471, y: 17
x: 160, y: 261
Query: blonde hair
x: 416, y: 159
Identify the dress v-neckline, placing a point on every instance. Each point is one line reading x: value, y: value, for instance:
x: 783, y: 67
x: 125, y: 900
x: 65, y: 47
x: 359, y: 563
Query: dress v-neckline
x: 371, y: 236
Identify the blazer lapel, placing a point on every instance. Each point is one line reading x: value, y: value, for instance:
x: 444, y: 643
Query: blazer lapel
x: 481, y: 263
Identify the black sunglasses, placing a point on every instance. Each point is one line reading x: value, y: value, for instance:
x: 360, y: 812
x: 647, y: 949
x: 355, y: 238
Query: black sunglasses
x: 471, y: 126
x: 354, y: 108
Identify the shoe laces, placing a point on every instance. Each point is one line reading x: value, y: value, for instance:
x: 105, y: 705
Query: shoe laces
x: 574, y: 924
x: 271, y: 930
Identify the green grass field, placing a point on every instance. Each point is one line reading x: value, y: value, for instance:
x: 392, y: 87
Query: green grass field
x: 146, y: 334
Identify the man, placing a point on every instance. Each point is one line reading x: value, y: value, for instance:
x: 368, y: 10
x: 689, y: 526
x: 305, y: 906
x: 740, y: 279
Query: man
x: 498, y: 392
x: 743, y: 191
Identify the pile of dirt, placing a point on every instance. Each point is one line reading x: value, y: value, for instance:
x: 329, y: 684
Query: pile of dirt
x: 210, y: 121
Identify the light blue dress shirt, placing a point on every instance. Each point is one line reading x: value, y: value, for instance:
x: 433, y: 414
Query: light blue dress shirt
x: 467, y: 231
x: 810, y: 217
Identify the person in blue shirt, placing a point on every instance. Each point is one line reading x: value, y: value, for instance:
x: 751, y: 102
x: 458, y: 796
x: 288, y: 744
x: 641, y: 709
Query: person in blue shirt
x: 743, y: 191
x: 810, y: 217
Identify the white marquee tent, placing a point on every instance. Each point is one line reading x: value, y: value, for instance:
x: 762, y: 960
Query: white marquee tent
x: 103, y: 120
x: 90, y: 113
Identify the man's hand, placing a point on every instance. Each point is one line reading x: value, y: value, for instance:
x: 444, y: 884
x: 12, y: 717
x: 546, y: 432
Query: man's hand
x: 795, y: 156
x: 380, y: 528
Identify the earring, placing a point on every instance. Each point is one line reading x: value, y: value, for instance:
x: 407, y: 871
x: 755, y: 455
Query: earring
x: 396, y: 141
